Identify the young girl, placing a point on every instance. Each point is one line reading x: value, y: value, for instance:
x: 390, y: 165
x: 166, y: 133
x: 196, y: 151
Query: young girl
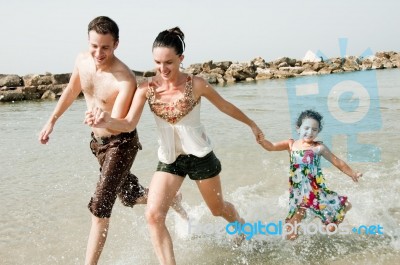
x: 307, y: 183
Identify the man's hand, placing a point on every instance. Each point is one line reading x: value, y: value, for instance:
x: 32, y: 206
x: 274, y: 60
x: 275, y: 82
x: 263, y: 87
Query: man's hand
x: 44, y: 134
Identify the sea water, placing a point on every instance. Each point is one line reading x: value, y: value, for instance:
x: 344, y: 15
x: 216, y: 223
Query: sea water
x: 45, y: 188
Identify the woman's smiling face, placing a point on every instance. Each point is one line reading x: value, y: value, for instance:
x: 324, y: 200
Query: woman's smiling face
x: 167, y: 61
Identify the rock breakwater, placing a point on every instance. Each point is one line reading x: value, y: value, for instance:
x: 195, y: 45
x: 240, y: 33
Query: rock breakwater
x: 50, y: 86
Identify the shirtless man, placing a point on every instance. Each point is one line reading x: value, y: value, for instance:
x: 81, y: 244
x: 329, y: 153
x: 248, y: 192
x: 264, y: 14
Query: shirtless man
x: 107, y: 83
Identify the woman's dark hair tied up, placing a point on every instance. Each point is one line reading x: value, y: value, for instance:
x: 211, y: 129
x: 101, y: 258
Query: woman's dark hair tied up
x: 171, y: 38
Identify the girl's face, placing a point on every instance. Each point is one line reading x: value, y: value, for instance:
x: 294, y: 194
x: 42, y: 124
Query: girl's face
x: 167, y: 62
x: 308, y: 130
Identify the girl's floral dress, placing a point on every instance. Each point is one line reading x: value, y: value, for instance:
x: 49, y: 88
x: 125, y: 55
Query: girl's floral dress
x: 308, y: 189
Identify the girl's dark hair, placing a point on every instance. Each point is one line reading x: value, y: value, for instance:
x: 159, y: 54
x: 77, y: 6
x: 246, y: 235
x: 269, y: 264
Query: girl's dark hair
x: 310, y: 114
x: 171, y: 38
x: 104, y: 25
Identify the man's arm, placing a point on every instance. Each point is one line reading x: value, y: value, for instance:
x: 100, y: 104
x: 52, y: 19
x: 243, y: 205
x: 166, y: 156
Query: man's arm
x: 102, y: 119
x: 68, y: 96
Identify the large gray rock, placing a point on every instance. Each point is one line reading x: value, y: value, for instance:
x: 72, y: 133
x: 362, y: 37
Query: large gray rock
x: 283, y: 74
x: 10, y: 80
x: 351, y: 63
x: 49, y: 95
x: 193, y: 69
x: 334, y: 66
x: 324, y: 71
x: 395, y: 59
x: 260, y: 63
x: 12, y: 95
x: 366, y: 64
x: 382, y: 55
x: 224, y: 65
x: 318, y: 66
x: 211, y: 78
x: 59, y: 79
x: 57, y: 89
x: 377, y: 63
x: 309, y: 72
x: 240, y: 71
x: 387, y: 63
x: 207, y: 66
x: 292, y: 70
x: 37, y: 80
x: 31, y: 93
x: 285, y: 61
x: 264, y: 73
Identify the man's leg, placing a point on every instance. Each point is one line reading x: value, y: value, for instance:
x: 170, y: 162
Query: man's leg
x: 115, y: 159
x: 97, y: 238
x: 177, y: 206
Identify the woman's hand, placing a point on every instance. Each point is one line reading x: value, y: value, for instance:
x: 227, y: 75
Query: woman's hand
x: 257, y: 133
x: 89, y: 118
x: 97, y: 118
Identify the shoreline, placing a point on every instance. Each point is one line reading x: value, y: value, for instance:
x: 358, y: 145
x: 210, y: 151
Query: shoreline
x: 50, y: 86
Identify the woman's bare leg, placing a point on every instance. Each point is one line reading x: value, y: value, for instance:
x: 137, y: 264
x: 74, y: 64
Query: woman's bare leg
x: 211, y: 191
x: 162, y: 191
x: 176, y: 203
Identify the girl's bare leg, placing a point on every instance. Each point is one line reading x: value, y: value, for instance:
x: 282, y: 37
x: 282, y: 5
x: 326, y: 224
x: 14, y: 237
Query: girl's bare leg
x: 296, y: 219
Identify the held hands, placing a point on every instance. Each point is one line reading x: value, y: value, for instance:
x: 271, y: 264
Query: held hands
x: 257, y: 133
x: 97, y: 118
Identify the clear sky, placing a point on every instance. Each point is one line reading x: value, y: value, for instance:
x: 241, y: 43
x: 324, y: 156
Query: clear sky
x: 46, y: 35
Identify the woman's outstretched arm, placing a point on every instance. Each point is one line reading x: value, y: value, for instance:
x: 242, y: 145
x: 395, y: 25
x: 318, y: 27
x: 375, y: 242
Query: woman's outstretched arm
x: 102, y: 119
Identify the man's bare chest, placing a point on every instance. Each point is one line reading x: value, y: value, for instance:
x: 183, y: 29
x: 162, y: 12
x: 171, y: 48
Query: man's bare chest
x: 101, y: 87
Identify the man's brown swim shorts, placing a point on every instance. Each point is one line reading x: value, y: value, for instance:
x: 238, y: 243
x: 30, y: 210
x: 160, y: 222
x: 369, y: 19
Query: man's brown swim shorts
x: 115, y: 154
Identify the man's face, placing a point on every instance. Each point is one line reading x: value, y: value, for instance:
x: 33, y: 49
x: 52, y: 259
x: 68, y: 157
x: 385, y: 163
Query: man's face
x: 101, y: 47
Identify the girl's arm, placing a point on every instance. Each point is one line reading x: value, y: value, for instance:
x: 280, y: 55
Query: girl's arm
x: 279, y: 146
x: 203, y: 88
x: 340, y: 164
x: 102, y: 119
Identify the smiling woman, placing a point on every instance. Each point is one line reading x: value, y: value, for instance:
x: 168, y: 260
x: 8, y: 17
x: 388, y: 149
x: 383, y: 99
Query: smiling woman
x: 185, y: 149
